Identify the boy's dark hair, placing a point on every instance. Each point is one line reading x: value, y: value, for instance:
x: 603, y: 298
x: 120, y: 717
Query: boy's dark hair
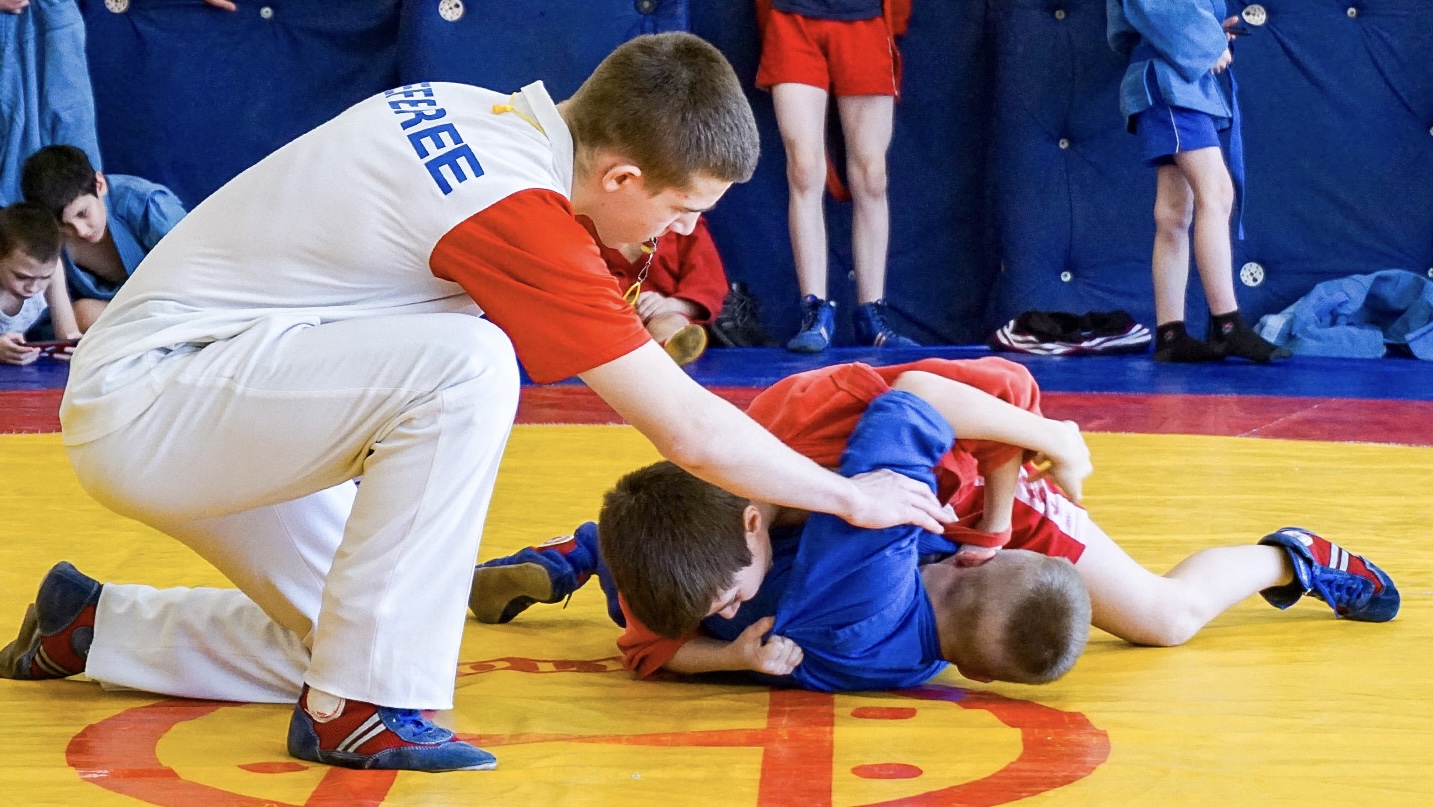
x: 1048, y: 625
x: 55, y: 176
x: 672, y: 543
x: 670, y: 103
x: 29, y: 228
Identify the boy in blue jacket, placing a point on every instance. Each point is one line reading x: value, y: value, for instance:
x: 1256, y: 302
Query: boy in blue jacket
x: 1172, y: 98
x: 109, y: 222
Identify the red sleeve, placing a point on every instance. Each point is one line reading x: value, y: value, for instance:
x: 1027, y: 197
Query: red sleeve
x: 537, y: 274
x: 643, y: 651
x: 814, y: 412
x: 1004, y: 379
x: 700, y: 275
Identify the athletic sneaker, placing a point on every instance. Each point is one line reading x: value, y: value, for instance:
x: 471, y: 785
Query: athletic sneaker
x: 361, y: 735
x: 1352, y: 586
x: 547, y: 573
x: 872, y: 328
x: 818, y: 325
x: 55, y: 637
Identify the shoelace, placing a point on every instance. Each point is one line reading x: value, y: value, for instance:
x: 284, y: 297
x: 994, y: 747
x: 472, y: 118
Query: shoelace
x: 1347, y: 591
x: 419, y: 728
x: 809, y: 318
x: 878, y: 312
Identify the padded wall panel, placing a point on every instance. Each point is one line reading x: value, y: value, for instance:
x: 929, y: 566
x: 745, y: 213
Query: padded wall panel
x: 1339, y: 151
x: 506, y: 45
x: 940, y: 266
x: 189, y: 96
x: 1073, y: 203
x: 1339, y: 134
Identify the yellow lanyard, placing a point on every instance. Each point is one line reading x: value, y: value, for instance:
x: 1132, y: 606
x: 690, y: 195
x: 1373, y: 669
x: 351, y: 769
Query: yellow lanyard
x: 649, y: 249
x: 635, y: 290
x: 498, y: 109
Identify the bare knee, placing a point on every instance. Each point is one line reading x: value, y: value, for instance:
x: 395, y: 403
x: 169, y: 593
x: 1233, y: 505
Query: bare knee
x: 1169, y: 630
x: 806, y: 172
x: 867, y: 178
x: 1172, y: 218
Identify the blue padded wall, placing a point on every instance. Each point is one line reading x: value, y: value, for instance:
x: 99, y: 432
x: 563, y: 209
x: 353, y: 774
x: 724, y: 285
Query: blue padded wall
x: 1073, y: 203
x: 1013, y: 185
x: 1338, y: 103
x: 188, y: 96
x: 504, y: 46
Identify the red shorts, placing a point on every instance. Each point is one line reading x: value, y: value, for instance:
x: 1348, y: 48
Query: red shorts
x: 1043, y: 520
x: 856, y: 57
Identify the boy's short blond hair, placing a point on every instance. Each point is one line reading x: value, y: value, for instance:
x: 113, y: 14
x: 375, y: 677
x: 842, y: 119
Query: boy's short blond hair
x: 1035, y: 622
x: 1046, y: 630
x: 671, y: 104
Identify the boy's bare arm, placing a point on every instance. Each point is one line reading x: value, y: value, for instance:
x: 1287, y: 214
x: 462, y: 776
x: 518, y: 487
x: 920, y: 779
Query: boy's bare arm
x: 978, y: 415
x: 717, y: 442
x: 62, y: 311
x: 776, y: 655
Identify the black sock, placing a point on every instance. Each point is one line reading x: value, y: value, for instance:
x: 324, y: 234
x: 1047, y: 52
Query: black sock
x: 1172, y: 343
x: 1231, y: 336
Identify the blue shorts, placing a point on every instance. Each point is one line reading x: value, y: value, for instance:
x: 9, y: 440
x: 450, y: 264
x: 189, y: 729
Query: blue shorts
x: 1165, y: 131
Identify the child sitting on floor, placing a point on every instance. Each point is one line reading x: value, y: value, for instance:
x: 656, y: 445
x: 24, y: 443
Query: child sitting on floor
x: 34, y: 302
x: 676, y: 284
x: 109, y: 222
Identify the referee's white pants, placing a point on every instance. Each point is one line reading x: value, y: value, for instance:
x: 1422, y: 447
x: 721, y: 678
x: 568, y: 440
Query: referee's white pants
x: 247, y: 458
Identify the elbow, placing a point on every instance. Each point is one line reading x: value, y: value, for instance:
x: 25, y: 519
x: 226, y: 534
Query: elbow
x: 694, y: 449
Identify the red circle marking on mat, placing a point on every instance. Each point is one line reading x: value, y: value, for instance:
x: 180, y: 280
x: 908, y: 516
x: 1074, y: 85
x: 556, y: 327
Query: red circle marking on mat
x: 883, y: 713
x: 120, y: 753
x: 887, y: 770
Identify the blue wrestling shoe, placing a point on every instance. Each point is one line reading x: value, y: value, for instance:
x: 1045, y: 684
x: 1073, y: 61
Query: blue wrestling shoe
x: 872, y: 328
x: 547, y: 573
x: 362, y: 735
x: 55, y: 637
x: 1353, y: 587
x: 818, y: 325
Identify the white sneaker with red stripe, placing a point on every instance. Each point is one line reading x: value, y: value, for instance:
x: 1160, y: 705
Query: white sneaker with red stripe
x: 1353, y: 587
x: 354, y: 734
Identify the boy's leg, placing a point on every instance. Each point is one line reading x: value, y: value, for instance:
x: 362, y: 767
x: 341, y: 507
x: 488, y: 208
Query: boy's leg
x: 87, y: 311
x: 866, y: 121
x: 1142, y: 607
x: 1173, y: 215
x: 801, y: 117
x: 547, y: 573
x: 1127, y: 599
x: 1213, y: 195
x: 1213, y: 192
x: 166, y: 640
x: 420, y: 406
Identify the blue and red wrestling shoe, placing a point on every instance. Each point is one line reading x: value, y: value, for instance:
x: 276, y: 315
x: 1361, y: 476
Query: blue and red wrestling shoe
x: 547, y: 573
x: 55, y: 637
x: 1353, y: 587
x: 353, y: 734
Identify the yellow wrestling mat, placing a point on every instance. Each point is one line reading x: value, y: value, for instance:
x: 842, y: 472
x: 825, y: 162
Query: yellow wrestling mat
x: 1263, y: 707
